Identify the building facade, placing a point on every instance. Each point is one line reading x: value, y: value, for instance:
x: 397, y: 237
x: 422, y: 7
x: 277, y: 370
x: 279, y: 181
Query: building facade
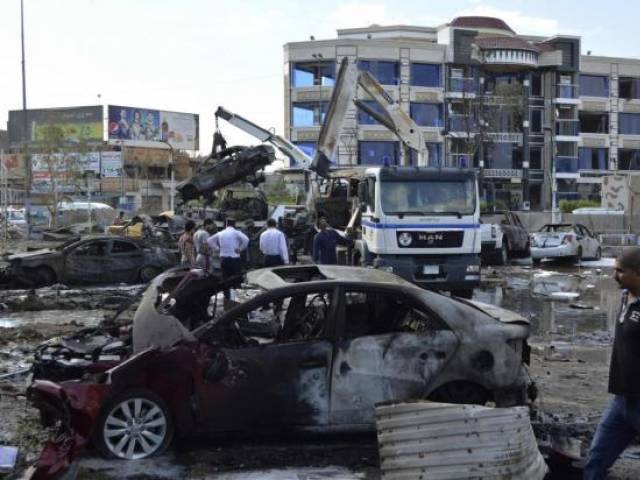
x: 531, y: 114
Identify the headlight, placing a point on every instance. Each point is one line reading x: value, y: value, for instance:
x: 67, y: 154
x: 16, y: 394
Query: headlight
x: 405, y: 239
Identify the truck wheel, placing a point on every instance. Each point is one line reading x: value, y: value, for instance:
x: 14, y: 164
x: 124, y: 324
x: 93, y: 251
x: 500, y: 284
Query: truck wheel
x: 135, y: 425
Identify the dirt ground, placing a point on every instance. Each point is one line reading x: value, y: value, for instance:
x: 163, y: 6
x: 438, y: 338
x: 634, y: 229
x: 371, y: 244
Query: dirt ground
x: 570, y: 309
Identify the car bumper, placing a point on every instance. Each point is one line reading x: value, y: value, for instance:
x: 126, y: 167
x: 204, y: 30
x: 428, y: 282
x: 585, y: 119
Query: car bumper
x: 561, y: 251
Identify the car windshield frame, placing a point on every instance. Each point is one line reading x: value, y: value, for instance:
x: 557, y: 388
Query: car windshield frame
x: 428, y: 197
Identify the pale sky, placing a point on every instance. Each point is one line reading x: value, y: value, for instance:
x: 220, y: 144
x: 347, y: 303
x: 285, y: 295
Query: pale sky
x: 193, y: 55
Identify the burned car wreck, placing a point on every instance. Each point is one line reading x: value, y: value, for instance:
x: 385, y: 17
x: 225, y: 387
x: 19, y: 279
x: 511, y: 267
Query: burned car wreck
x: 103, y: 259
x: 305, y: 348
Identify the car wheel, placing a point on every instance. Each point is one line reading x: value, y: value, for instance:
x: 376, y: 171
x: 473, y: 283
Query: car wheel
x: 148, y: 273
x: 45, y: 276
x: 536, y: 261
x: 503, y: 255
x: 460, y: 392
x: 134, y: 425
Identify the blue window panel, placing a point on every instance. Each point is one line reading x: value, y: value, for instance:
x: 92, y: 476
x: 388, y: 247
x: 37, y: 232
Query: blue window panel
x: 378, y: 153
x: 364, y: 118
x: 309, y: 148
x: 308, y: 114
x: 629, y: 123
x: 427, y: 114
x: 593, y: 158
x: 426, y: 75
x: 566, y: 165
x: 385, y: 72
x: 594, y: 85
x: 309, y: 74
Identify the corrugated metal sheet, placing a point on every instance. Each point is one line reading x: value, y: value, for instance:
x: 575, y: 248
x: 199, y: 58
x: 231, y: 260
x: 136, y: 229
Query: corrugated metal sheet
x: 438, y: 441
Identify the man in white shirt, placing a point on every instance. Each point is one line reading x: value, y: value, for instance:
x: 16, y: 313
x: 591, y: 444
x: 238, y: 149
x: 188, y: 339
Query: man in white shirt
x: 273, y: 245
x: 203, y: 252
x: 230, y: 243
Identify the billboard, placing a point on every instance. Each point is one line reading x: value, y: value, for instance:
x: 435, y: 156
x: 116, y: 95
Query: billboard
x: 77, y: 124
x: 144, y: 127
x: 111, y: 164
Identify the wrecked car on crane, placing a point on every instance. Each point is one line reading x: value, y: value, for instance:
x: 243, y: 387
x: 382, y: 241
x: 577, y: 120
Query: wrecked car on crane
x: 318, y: 346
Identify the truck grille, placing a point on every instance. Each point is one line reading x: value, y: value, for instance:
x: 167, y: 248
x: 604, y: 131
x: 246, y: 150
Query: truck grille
x: 439, y: 239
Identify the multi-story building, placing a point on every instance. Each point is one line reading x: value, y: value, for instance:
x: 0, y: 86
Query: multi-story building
x: 523, y: 110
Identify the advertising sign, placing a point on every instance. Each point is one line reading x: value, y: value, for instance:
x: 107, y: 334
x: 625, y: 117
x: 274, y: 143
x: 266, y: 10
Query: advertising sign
x: 144, y: 127
x: 111, y: 164
x: 77, y: 124
x: 65, y: 169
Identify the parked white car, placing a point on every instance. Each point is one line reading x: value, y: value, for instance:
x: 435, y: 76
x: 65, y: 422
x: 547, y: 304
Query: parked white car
x: 564, y: 240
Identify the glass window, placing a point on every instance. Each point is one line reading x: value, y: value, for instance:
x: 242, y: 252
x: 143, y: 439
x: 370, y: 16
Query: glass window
x: 594, y: 85
x: 536, y: 85
x: 364, y: 118
x: 593, y: 158
x: 384, y: 71
x: 123, y: 247
x: 629, y: 88
x: 594, y: 122
x: 428, y: 197
x: 91, y: 249
x: 629, y: 123
x: 309, y: 114
x: 535, y: 157
x: 502, y: 155
x: 309, y: 74
x: 425, y: 75
x: 628, y: 159
x: 427, y: 114
x: 378, y: 153
x: 536, y: 120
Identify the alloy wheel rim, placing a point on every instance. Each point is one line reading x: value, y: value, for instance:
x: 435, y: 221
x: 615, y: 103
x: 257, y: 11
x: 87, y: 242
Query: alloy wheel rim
x: 135, y: 428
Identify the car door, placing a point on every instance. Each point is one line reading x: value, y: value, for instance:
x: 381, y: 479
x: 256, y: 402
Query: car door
x: 87, y: 262
x: 389, y: 347
x: 583, y: 241
x: 125, y: 260
x: 282, y: 381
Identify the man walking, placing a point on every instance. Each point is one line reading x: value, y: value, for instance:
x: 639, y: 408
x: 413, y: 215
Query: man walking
x: 230, y: 243
x: 203, y: 258
x: 325, y: 242
x: 620, y: 422
x: 273, y: 245
x: 185, y: 245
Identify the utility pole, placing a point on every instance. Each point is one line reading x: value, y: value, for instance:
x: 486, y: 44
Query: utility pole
x: 25, y: 126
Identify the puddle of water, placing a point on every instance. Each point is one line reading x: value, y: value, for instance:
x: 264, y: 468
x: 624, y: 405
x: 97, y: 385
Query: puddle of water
x: 548, y: 298
x: 88, y: 318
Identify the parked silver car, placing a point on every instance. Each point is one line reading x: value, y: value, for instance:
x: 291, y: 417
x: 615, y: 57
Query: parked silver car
x: 564, y: 240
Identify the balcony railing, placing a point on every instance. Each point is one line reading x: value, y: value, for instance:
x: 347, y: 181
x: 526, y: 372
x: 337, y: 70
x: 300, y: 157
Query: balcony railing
x: 459, y: 160
x: 566, y: 164
x: 569, y: 128
x: 566, y: 91
x: 463, y: 85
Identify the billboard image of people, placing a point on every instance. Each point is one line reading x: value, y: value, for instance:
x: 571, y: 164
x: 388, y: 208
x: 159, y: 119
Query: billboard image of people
x: 139, y: 126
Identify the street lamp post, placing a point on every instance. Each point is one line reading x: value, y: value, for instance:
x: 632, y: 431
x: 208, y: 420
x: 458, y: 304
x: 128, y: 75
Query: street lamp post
x: 172, y: 177
x: 88, y: 175
x: 554, y: 183
x: 25, y: 125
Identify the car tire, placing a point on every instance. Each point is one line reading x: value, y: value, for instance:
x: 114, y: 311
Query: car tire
x: 148, y: 273
x: 45, y: 276
x: 536, y: 261
x: 134, y: 425
x: 460, y: 392
x: 503, y: 254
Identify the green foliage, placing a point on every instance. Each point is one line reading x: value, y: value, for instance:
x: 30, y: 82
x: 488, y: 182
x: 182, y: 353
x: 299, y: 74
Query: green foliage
x: 567, y: 206
x: 278, y: 193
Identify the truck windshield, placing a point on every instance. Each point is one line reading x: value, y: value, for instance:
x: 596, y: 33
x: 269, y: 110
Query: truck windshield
x: 428, y: 197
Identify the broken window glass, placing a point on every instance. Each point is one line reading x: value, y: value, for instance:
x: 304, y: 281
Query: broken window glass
x: 123, y: 247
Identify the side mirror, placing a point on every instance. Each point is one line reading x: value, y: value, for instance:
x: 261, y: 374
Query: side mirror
x: 363, y: 193
x: 217, y: 368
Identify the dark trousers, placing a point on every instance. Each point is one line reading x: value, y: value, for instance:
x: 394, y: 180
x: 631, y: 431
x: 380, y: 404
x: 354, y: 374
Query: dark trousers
x: 231, y: 267
x: 273, y: 260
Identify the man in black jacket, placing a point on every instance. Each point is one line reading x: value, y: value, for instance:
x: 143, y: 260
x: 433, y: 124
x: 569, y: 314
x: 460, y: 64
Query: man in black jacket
x: 620, y: 422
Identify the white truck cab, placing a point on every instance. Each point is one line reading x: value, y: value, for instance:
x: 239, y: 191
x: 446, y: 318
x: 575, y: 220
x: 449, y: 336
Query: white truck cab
x: 422, y: 224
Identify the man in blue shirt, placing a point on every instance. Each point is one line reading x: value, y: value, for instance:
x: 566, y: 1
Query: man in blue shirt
x: 325, y: 242
x: 620, y: 422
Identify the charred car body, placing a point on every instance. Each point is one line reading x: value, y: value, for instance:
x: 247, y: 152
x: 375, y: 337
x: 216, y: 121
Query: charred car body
x: 103, y: 259
x: 313, y: 348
